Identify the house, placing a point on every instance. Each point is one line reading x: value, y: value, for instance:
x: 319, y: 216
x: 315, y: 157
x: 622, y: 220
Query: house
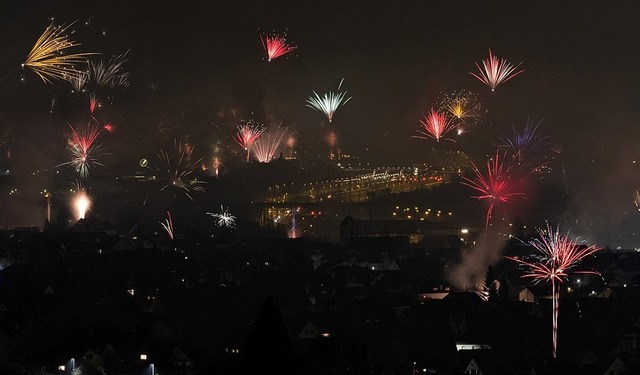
x: 473, y: 368
x: 92, y: 225
x: 414, y: 231
x: 581, y: 359
x: 607, y: 293
x: 532, y: 294
x: 617, y: 367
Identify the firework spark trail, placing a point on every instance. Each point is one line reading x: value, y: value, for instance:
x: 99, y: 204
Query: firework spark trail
x: 109, y: 74
x: 84, y: 149
x: 48, y: 57
x: 79, y: 82
x: 224, y: 218
x: 293, y: 232
x: 178, y: 170
x: 558, y: 151
x: 168, y: 225
x: 276, y: 45
x: 248, y: 134
x: 267, y: 146
x: 523, y: 146
x: 332, y: 140
x: 329, y: 102
x: 497, y: 186
x: 5, y: 134
x: 291, y: 142
x: 495, y: 71
x: 557, y: 257
x: 435, y: 125
x: 94, y: 103
x: 217, y: 163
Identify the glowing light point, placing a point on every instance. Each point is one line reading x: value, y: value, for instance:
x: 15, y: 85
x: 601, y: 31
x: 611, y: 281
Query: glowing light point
x: 81, y: 203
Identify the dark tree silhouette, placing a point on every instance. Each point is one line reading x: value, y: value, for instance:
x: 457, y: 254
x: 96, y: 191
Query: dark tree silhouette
x: 268, y: 348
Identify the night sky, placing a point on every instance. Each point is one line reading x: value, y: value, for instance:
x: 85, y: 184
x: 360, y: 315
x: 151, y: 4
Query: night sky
x: 398, y: 58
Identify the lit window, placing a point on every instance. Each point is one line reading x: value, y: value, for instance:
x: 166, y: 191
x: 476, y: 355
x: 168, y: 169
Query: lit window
x: 143, y: 357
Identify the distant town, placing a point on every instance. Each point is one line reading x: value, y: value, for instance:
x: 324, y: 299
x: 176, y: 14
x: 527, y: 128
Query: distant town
x: 392, y: 288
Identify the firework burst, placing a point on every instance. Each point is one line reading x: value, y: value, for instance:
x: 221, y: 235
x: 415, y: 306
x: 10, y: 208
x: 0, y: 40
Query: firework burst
x: 109, y: 74
x: 329, y: 102
x: 524, y: 146
x: 495, y: 71
x: 497, y: 186
x: 463, y: 106
x: 84, y: 149
x: 435, y: 125
x: 557, y: 257
x: 178, y: 171
x: 276, y: 45
x: 248, y: 134
x: 109, y: 127
x: 49, y: 58
x: 266, y: 148
x: 224, y: 218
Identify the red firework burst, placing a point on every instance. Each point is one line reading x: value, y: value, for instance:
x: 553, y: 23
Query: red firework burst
x: 109, y: 127
x: 497, y: 186
x: 247, y: 134
x: 83, y: 148
x: 276, y: 45
x: 435, y: 125
x: 557, y: 257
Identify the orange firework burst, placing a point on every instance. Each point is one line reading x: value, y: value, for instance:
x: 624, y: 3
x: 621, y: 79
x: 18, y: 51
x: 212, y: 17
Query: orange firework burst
x: 48, y: 57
